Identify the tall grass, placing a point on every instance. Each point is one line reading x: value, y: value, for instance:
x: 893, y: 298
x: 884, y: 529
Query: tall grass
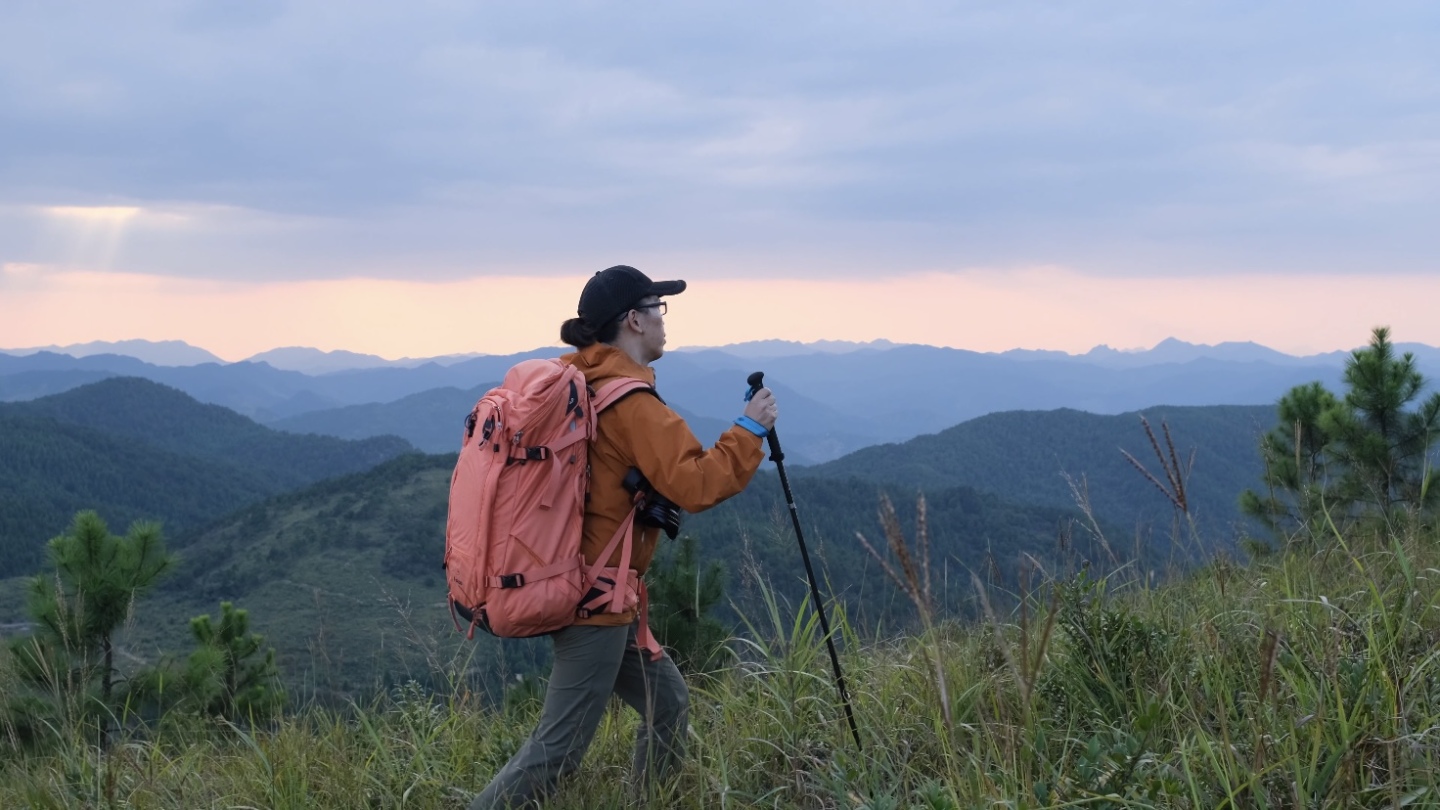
x: 1300, y: 680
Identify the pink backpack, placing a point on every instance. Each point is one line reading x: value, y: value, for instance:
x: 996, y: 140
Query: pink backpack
x: 517, y: 505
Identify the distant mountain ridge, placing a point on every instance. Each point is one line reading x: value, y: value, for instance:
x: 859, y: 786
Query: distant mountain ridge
x: 833, y: 401
x: 353, y: 563
x: 317, y: 361
x: 160, y: 353
x: 430, y: 420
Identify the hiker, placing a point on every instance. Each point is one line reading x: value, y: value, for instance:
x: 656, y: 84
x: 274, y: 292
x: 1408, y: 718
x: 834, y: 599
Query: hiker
x: 620, y: 331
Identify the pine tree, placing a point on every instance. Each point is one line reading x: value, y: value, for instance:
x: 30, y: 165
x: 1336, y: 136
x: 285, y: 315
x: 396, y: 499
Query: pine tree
x: 1301, y: 472
x: 1346, y: 459
x: 228, y: 676
x: 80, y: 606
x: 1385, y: 447
x: 682, y: 595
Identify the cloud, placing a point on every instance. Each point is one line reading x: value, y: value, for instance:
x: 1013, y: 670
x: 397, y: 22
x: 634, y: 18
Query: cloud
x: 445, y: 140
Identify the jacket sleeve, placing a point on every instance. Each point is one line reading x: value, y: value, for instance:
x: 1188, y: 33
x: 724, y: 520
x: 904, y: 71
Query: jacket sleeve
x: 674, y: 461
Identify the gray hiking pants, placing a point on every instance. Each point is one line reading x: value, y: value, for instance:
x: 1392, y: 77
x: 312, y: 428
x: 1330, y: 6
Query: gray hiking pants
x: 591, y: 663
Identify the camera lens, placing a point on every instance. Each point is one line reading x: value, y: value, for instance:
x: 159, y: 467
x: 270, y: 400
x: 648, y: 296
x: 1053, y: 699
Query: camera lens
x: 655, y: 509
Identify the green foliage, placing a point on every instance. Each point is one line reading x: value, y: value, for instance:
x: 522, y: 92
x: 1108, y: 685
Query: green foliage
x: 50, y: 470
x: 78, y: 609
x: 131, y: 448
x: 1385, y: 447
x: 1334, y: 460
x: 1296, y: 454
x: 230, y: 675
x: 1025, y: 456
x: 683, y: 594
x: 1108, y: 660
x: 171, y: 420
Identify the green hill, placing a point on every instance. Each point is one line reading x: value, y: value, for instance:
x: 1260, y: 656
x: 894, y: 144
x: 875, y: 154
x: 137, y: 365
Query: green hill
x: 133, y: 449
x: 50, y: 470
x: 1025, y: 456
x: 171, y: 420
x: 430, y: 420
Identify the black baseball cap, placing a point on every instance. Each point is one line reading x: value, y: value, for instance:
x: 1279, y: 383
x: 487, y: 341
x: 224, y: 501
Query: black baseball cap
x: 616, y: 290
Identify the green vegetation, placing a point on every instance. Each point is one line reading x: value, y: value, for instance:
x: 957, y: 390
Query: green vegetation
x: 133, y: 450
x: 1298, y: 680
x: 77, y: 612
x: 1351, y: 458
x: 683, y: 596
x: 170, y: 420
x: 1032, y: 457
x: 49, y: 471
x: 230, y: 675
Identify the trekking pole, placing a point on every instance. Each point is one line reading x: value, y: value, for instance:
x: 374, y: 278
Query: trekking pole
x: 756, y: 381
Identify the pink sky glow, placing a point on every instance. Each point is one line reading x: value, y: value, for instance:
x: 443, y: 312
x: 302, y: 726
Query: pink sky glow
x: 981, y: 310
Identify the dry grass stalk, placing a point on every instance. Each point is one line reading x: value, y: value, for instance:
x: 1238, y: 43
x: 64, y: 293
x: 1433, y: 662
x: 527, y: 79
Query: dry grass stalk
x: 1175, y: 475
x: 1269, y: 649
x: 1080, y: 492
x: 914, y: 581
x: 1029, y: 669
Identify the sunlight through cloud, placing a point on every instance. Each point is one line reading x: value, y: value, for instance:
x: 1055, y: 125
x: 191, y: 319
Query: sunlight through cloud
x: 85, y: 235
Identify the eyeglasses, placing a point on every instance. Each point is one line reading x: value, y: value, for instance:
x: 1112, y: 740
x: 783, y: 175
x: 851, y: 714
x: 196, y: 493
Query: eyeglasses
x: 659, y: 307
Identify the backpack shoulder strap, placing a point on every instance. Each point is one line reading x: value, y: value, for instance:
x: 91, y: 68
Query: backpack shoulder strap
x: 617, y: 389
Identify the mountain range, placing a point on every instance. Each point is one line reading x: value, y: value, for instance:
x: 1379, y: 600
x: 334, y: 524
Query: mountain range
x: 316, y: 361
x: 835, y: 398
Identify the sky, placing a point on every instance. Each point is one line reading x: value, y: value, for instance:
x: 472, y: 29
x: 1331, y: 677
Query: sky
x: 441, y: 176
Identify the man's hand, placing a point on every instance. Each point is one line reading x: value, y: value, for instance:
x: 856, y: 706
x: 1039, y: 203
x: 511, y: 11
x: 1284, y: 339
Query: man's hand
x: 762, y: 408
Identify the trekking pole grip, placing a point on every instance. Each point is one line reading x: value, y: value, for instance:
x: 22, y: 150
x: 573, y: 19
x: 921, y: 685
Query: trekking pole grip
x: 756, y: 381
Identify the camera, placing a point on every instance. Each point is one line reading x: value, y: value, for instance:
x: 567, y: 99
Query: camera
x: 655, y: 509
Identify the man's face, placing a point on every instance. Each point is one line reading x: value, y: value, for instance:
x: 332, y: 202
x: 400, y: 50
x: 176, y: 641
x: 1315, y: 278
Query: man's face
x: 650, y: 312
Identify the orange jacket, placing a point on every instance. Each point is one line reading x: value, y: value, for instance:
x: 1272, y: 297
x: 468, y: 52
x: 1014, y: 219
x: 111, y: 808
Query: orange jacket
x: 641, y: 431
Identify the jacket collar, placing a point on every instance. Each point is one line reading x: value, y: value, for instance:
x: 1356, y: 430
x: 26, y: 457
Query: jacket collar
x: 601, y: 361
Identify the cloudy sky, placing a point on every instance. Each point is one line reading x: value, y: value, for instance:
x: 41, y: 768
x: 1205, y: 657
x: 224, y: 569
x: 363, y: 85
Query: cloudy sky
x: 425, y: 177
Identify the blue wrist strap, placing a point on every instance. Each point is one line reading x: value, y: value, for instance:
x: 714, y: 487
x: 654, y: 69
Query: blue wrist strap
x: 752, y: 426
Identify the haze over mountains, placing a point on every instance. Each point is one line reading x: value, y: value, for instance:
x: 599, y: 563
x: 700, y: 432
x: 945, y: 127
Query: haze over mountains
x: 836, y: 396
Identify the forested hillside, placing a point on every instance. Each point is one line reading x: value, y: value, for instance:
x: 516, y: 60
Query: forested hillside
x: 172, y: 420
x: 133, y: 449
x: 343, y: 578
x: 49, y: 470
x: 430, y: 420
x: 1025, y: 456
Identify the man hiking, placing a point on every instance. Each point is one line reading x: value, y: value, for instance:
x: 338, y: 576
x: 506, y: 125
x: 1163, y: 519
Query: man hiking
x: 620, y: 331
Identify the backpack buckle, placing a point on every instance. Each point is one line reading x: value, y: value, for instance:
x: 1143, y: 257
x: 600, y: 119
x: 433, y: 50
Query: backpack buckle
x: 537, y: 453
x: 508, y: 581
